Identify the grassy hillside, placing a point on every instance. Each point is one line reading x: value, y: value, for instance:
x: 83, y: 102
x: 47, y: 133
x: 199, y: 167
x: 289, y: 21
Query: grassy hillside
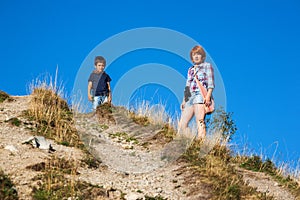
x: 219, y: 170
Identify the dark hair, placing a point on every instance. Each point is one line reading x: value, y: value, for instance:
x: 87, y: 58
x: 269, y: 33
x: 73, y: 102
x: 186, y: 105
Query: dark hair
x: 198, y: 49
x: 99, y: 59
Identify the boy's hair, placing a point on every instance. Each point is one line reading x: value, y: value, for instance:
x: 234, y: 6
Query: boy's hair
x: 99, y: 59
x: 198, y: 49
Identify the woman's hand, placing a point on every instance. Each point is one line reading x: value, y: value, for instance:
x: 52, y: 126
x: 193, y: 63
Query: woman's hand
x: 207, y: 101
x: 182, y: 105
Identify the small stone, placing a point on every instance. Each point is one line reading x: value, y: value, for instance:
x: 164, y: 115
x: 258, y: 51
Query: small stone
x: 11, y: 148
x: 134, y: 196
x: 159, y: 190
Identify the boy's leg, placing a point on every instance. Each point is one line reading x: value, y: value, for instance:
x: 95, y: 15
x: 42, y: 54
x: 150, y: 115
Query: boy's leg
x: 200, y: 114
x: 96, y: 102
x: 103, y: 99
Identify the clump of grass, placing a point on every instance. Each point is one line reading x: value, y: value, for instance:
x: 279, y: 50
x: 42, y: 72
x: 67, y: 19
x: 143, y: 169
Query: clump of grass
x: 158, y: 197
x: 52, y: 115
x: 58, y: 181
x: 7, y: 188
x: 255, y: 163
x: 104, y: 113
x: 122, y: 136
x: 139, y: 119
x: 4, y: 96
x: 144, y: 114
x: 218, y: 173
x: 14, y: 121
x: 166, y: 134
x: 104, y: 126
x: 90, y: 161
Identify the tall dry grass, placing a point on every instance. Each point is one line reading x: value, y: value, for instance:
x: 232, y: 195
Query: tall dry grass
x: 154, y: 114
x: 51, y: 112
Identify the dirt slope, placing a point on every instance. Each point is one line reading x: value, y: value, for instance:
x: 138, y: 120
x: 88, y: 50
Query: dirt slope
x: 129, y: 169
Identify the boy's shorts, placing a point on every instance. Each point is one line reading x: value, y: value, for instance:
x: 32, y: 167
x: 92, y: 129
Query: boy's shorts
x: 98, y: 100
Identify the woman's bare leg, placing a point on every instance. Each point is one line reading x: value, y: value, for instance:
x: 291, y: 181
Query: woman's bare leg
x: 200, y: 114
x: 186, y: 115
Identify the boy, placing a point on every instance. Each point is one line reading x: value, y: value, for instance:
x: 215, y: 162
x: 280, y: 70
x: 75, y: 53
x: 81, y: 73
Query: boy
x: 99, y: 90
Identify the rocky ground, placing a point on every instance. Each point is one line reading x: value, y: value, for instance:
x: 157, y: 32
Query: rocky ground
x: 136, y: 168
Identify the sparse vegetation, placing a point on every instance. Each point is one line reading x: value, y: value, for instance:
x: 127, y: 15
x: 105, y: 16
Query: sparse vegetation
x: 255, y: 163
x: 222, y: 121
x: 7, y: 188
x: 103, y: 126
x: 4, y: 96
x: 14, y: 121
x: 58, y: 181
x: 122, y: 136
x: 141, y: 120
x: 155, y: 198
x: 52, y: 115
x: 144, y: 114
x: 104, y: 113
x: 90, y: 161
x: 218, y: 173
x: 165, y: 135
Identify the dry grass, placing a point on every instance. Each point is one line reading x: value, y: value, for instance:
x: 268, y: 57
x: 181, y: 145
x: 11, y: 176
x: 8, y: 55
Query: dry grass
x: 104, y: 113
x: 210, y: 161
x: 52, y: 115
x: 215, y: 167
x: 218, y: 157
x: 217, y: 172
x: 4, y: 96
x: 255, y: 163
x: 286, y: 176
x: 54, y: 119
x: 145, y: 114
x: 58, y: 180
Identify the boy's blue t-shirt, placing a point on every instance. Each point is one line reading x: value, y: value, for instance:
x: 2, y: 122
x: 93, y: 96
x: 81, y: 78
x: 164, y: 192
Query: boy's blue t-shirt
x: 99, y: 83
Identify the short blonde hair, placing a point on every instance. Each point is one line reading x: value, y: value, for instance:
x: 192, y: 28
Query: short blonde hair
x: 198, y: 49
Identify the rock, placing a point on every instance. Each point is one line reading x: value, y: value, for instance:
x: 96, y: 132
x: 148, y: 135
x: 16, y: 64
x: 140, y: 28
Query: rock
x: 39, y: 142
x: 11, y: 148
x: 133, y: 196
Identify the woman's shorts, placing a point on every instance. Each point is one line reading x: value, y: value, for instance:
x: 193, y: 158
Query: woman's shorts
x: 195, y: 99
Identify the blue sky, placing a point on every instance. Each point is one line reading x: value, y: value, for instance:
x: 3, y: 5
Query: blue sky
x: 254, y: 44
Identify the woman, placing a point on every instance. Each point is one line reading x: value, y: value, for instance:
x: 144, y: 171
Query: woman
x: 194, y: 103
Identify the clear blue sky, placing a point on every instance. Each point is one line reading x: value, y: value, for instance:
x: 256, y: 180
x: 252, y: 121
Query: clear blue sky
x: 255, y: 45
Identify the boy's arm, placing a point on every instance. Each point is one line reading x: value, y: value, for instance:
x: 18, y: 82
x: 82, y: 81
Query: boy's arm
x: 89, y: 90
x: 109, y: 92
